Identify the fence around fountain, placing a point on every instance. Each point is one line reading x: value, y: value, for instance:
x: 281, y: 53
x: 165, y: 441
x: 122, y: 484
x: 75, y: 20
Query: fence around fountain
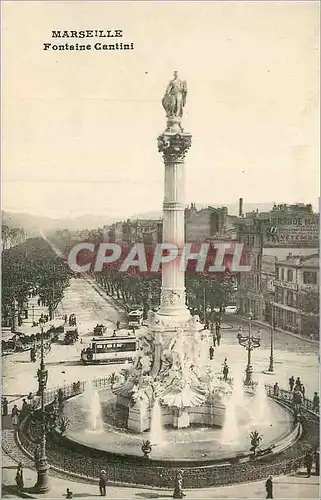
x: 76, y: 461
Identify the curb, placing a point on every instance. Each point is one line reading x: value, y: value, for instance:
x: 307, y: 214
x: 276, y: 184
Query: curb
x: 267, y: 325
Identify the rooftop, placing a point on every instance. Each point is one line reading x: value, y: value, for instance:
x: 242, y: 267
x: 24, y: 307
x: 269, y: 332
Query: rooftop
x: 300, y: 260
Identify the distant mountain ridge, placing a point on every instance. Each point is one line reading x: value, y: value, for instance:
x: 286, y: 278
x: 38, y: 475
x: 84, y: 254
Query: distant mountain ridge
x: 34, y: 224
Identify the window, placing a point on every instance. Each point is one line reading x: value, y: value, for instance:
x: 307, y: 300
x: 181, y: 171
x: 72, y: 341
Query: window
x: 290, y: 274
x: 277, y: 273
x: 282, y: 274
x: 309, y: 278
x: 290, y: 301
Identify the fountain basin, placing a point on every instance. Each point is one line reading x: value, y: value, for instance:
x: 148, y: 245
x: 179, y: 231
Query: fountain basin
x: 198, y: 443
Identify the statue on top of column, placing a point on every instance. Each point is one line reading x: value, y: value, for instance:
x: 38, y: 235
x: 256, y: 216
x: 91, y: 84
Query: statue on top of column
x: 175, y: 97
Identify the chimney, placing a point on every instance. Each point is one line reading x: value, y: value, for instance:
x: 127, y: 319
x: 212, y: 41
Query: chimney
x: 241, y: 207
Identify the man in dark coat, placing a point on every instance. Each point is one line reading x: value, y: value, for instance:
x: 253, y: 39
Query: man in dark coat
x: 308, y: 463
x: 102, y: 483
x: 269, y: 487
x: 291, y: 383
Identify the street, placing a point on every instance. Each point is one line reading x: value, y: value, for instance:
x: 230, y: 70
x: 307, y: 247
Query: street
x: 292, y: 356
x: 63, y: 362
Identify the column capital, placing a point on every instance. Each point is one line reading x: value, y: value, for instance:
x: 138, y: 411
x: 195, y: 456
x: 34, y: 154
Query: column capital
x: 174, y: 146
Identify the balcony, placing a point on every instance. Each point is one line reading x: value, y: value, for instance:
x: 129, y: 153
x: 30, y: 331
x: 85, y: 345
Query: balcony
x: 286, y: 284
x: 286, y: 307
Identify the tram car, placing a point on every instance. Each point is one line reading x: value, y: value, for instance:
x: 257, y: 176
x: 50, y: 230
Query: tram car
x: 108, y: 350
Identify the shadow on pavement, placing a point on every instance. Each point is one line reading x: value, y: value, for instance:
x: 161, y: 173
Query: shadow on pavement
x: 152, y: 495
x: 67, y: 363
x: 84, y: 495
x: 12, y: 490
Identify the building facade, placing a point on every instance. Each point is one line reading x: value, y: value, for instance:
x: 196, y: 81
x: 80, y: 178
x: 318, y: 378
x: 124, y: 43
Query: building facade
x: 204, y: 223
x: 296, y: 304
x: 296, y: 226
x: 146, y: 231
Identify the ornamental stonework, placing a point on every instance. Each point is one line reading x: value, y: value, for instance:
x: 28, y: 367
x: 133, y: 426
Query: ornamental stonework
x: 170, y: 298
x: 174, y: 146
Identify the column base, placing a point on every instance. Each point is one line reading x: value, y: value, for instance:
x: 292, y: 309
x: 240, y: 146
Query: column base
x: 42, y: 484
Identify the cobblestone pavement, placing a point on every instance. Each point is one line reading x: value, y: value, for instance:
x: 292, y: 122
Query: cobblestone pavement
x: 292, y: 356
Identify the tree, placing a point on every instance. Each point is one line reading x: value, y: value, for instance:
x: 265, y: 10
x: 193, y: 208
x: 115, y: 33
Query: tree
x: 309, y: 309
x: 28, y: 266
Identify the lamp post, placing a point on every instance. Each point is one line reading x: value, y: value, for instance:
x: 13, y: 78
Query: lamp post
x: 271, y: 365
x: 33, y: 313
x: 250, y: 342
x: 14, y: 312
x: 42, y: 484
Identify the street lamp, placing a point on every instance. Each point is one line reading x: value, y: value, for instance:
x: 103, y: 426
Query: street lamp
x: 250, y: 342
x: 42, y: 484
x: 33, y: 313
x: 271, y: 365
x: 15, y: 313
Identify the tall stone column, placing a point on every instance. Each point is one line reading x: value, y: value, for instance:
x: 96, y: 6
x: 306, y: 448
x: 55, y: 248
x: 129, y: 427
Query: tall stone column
x: 174, y: 147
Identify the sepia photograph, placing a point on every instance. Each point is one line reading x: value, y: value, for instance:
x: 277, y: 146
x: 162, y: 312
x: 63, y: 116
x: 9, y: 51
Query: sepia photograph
x: 160, y: 266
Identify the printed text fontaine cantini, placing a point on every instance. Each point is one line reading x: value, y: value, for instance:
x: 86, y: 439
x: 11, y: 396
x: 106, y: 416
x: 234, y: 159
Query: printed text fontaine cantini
x: 110, y: 40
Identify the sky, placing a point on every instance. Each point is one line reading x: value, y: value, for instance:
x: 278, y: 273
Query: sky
x: 79, y: 129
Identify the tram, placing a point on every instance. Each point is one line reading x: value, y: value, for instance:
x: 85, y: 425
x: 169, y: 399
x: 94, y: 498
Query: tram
x: 135, y: 319
x: 108, y: 350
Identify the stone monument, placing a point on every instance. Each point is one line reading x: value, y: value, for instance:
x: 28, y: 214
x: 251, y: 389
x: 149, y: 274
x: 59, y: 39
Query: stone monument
x: 171, y: 365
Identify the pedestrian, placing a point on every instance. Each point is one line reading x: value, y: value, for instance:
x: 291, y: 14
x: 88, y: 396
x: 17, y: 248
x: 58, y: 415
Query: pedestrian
x: 4, y: 402
x: 217, y: 328
x: 102, y: 483
x: 269, y: 487
x: 211, y: 352
x: 291, y: 383
x: 214, y: 340
x: 308, y: 463
x: 297, y: 416
x: 30, y: 397
x: 33, y: 355
x: 315, y: 402
x: 24, y: 409
x: 276, y: 389
x: 178, y: 486
x: 68, y: 493
x: 118, y: 325
x: 317, y: 463
x: 225, y: 372
x: 218, y: 337
x: 19, y: 477
x: 298, y: 384
x: 303, y: 390
x: 15, y: 415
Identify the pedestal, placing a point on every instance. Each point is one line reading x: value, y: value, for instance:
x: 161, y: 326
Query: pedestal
x: 42, y: 484
x: 248, y: 375
x: 139, y: 417
x: 183, y: 419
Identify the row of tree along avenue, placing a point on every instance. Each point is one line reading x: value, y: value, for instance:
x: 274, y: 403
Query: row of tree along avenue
x: 32, y: 268
x: 204, y: 292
